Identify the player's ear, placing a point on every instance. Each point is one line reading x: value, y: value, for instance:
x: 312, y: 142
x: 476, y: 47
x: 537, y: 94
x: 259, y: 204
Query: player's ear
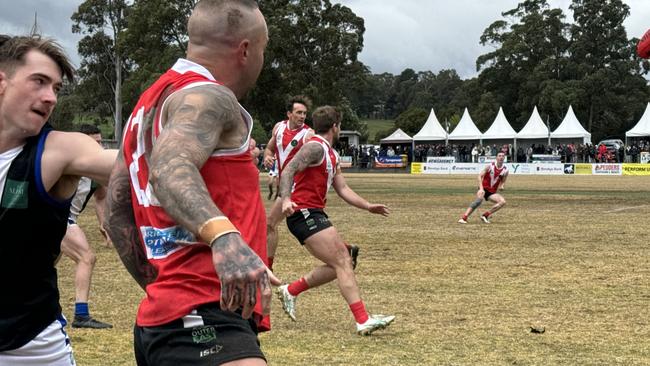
x: 3, y: 82
x: 243, y: 51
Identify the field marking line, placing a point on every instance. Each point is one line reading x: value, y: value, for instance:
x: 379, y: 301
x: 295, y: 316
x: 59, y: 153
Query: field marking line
x: 625, y: 208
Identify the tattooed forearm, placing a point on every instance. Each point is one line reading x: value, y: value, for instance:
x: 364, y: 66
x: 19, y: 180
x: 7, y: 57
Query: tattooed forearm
x: 233, y: 256
x: 196, y: 121
x: 310, y: 153
x: 120, y: 225
x: 235, y: 262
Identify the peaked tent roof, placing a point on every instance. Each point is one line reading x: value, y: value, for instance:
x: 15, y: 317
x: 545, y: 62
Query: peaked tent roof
x: 571, y: 128
x: 535, y: 128
x: 642, y: 128
x: 432, y: 130
x: 466, y: 129
x: 396, y: 137
x: 500, y: 128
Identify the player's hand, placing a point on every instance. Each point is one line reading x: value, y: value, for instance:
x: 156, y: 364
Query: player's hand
x: 288, y: 207
x: 243, y: 275
x: 480, y: 193
x: 378, y: 209
x: 268, y: 161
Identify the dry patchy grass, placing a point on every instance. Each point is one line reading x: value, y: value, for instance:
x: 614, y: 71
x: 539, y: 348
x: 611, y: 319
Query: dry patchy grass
x: 567, y: 253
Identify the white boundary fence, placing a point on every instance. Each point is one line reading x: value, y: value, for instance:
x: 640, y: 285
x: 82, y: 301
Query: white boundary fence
x: 535, y: 169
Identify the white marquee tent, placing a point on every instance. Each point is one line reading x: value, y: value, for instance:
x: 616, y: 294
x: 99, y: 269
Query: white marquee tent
x: 642, y: 128
x: 466, y: 129
x: 535, y: 128
x: 500, y: 129
x: 570, y: 128
x: 397, y: 137
x: 432, y: 130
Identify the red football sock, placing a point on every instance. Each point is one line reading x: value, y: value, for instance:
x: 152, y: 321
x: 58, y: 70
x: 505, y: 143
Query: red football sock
x: 487, y: 214
x: 359, y: 312
x: 464, y: 217
x: 271, y: 263
x: 297, y: 287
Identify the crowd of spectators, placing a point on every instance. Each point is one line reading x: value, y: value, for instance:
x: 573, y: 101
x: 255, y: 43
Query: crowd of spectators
x: 364, y: 155
x: 567, y: 153
x: 633, y: 150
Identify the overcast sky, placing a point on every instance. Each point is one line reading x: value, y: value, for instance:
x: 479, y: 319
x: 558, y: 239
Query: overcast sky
x: 418, y: 34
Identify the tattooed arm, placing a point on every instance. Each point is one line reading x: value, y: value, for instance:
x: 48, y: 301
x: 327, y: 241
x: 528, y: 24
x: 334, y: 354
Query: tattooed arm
x: 120, y: 225
x: 198, y: 121
x: 309, y: 154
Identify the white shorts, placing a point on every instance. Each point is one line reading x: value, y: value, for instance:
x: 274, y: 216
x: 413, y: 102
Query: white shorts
x: 50, y: 347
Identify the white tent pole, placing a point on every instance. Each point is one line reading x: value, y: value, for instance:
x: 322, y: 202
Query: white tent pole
x: 447, y: 129
x: 548, y: 125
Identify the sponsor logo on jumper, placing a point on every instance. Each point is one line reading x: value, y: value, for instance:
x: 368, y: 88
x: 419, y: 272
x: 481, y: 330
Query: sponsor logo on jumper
x: 160, y: 243
x: 204, y: 335
x: 15, y: 194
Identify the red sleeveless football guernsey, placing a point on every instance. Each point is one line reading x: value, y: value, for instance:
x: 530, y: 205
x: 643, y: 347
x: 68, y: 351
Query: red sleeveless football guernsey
x: 186, y: 275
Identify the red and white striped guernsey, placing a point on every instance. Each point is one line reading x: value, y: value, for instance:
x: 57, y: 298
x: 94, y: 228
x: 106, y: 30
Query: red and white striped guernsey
x: 311, y: 185
x: 288, y: 142
x: 493, y: 177
x: 186, y: 275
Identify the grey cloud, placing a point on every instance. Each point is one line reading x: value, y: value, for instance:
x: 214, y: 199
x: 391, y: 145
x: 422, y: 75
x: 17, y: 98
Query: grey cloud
x: 418, y: 34
x: 53, y: 19
x: 440, y: 34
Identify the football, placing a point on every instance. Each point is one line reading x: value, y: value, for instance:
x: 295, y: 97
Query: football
x: 643, y: 47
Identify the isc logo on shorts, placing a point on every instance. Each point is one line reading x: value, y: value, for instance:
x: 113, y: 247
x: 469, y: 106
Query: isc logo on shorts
x: 211, y: 351
x: 160, y: 243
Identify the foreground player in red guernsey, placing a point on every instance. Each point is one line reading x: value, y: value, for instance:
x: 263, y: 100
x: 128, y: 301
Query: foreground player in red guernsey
x: 314, y: 169
x: 187, y: 179
x: 287, y: 138
x: 490, y: 181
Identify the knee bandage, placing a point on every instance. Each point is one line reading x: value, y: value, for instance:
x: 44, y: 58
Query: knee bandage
x: 477, y: 202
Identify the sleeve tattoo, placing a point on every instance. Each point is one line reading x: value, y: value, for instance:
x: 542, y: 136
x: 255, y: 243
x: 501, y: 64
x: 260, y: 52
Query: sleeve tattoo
x: 309, y: 154
x: 122, y: 230
x: 196, y: 119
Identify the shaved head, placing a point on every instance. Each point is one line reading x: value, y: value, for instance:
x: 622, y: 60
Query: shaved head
x: 228, y: 38
x: 218, y: 23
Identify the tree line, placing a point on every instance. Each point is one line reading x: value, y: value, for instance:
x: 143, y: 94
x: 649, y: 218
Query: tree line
x: 537, y: 58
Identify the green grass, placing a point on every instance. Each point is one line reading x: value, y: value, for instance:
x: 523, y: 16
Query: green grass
x: 376, y: 125
x: 567, y: 253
